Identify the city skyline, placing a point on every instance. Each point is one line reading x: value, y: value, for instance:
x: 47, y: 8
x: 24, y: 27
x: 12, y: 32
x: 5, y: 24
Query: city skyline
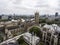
x: 29, y: 6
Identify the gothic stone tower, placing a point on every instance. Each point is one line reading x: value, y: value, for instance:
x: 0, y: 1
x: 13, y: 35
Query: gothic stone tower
x: 37, y: 18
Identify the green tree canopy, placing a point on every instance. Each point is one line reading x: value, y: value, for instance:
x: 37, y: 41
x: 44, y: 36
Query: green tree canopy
x: 1, y: 38
x: 21, y: 41
x: 36, y: 31
x: 41, y: 43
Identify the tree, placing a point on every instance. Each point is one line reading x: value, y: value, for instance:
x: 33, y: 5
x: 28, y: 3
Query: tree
x: 36, y: 31
x: 42, y: 20
x: 41, y: 43
x: 21, y: 41
x: 1, y: 38
x: 42, y: 24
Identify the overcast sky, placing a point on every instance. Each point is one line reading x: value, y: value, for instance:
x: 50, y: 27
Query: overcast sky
x: 29, y: 6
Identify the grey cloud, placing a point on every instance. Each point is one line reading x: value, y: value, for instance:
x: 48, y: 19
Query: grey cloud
x: 15, y: 6
x: 17, y: 2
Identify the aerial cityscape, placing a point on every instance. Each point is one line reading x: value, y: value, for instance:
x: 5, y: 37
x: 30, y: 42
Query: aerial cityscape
x: 24, y: 22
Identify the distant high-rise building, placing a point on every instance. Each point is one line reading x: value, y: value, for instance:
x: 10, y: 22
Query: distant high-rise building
x: 37, y: 18
x: 4, y: 17
x: 56, y: 14
x: 0, y: 16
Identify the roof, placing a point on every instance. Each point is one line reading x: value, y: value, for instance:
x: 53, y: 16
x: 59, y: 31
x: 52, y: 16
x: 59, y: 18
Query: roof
x: 14, y: 20
x: 12, y: 27
x: 58, y: 29
x: 29, y: 36
x: 22, y: 20
x: 49, y: 27
x: 53, y: 27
